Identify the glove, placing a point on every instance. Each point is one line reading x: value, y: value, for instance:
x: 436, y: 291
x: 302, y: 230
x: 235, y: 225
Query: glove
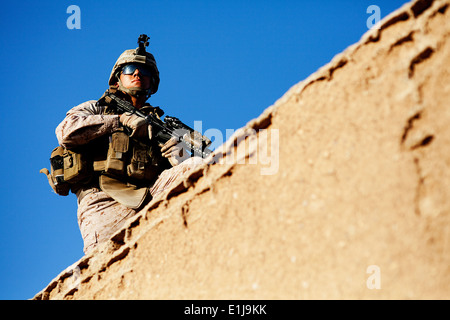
x: 139, y: 126
x: 174, y: 152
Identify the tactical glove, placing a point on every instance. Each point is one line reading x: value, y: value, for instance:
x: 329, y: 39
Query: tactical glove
x: 138, y: 125
x: 174, y: 152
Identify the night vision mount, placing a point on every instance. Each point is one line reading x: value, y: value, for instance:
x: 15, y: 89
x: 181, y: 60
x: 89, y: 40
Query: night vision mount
x: 143, y: 43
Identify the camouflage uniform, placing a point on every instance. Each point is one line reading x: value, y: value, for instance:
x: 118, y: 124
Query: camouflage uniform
x: 100, y: 216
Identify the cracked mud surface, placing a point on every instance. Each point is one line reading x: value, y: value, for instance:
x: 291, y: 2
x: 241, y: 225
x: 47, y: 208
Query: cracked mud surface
x: 363, y: 180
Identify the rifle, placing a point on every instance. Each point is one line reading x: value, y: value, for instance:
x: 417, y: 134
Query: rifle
x: 191, y: 140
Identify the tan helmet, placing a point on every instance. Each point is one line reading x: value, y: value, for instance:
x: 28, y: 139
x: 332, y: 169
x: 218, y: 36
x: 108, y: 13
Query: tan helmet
x: 138, y: 55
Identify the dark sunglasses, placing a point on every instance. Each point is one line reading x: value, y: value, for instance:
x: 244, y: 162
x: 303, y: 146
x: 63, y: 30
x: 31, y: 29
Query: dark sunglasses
x: 131, y: 68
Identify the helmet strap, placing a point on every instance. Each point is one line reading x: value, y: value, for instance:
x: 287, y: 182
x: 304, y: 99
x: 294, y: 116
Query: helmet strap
x: 135, y: 91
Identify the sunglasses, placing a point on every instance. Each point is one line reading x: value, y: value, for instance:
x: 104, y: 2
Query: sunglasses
x: 131, y: 68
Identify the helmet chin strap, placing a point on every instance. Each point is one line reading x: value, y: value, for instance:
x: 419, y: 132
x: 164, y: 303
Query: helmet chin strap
x: 135, y: 91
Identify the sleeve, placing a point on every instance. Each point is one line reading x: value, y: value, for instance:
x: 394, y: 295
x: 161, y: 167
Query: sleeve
x: 85, y: 123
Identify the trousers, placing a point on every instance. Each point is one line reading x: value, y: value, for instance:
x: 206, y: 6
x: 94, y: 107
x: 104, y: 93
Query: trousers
x: 100, y: 216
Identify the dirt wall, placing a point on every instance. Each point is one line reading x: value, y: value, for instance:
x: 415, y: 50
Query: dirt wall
x: 337, y: 191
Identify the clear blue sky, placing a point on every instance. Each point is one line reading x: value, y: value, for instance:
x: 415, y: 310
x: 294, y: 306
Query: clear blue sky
x: 221, y: 61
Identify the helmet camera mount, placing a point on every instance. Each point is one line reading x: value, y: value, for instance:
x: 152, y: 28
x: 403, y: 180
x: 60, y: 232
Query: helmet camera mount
x: 143, y: 43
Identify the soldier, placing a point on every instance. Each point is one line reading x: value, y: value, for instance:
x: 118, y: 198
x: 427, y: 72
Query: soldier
x: 129, y: 167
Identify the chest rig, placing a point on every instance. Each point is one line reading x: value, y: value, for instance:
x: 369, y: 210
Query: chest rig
x: 121, y: 166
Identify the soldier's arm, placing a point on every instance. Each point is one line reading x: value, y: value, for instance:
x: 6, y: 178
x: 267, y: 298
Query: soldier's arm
x: 85, y: 123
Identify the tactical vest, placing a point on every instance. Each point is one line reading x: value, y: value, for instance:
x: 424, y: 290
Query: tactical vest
x: 123, y: 167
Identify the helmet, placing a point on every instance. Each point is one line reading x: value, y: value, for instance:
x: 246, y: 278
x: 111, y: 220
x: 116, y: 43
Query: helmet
x: 138, y: 55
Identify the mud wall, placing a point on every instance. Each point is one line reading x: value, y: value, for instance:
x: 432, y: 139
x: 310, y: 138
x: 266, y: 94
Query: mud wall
x: 337, y: 191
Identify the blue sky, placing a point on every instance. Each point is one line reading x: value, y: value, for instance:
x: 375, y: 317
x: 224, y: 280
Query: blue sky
x: 221, y: 62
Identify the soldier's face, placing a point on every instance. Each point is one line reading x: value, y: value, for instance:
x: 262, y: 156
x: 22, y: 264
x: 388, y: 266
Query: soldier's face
x: 136, y: 79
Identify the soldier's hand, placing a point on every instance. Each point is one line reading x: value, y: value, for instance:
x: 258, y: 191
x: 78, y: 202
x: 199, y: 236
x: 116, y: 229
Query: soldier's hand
x: 139, y: 126
x: 174, y: 152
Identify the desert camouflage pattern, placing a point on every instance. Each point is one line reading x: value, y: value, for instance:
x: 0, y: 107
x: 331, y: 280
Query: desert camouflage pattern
x: 85, y: 123
x: 100, y: 216
x: 130, y: 56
